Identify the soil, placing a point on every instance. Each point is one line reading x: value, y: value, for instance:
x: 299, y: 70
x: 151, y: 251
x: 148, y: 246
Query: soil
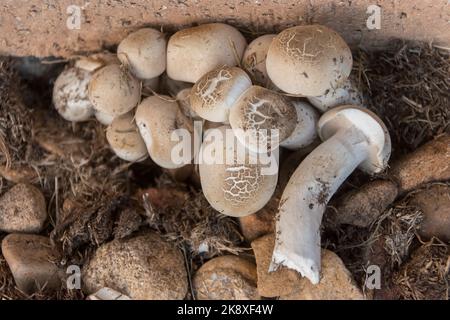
x: 94, y: 197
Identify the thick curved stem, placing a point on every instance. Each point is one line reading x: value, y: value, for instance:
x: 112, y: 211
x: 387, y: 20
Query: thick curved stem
x: 305, y: 198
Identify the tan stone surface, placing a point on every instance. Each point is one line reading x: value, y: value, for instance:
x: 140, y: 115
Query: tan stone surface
x: 35, y: 27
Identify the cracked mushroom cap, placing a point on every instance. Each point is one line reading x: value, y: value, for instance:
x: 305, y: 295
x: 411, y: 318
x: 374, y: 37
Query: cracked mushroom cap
x: 157, y: 118
x: 70, y: 95
x: 254, y: 59
x: 214, y: 94
x: 262, y: 118
x: 124, y: 138
x: 348, y: 93
x: 369, y: 124
x: 235, y: 183
x: 308, y: 60
x: 144, y: 52
x: 114, y: 91
x: 192, y: 52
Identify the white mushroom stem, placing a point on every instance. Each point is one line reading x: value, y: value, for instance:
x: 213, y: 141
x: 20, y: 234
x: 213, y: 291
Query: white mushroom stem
x: 305, y: 198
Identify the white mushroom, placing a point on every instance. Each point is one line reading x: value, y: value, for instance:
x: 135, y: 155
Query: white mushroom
x: 353, y: 137
x: 114, y: 91
x: 262, y: 118
x: 158, y: 118
x: 308, y: 60
x: 254, y: 59
x: 305, y: 131
x: 70, y: 95
x: 234, y: 181
x: 215, y: 92
x: 104, y: 118
x: 96, y: 60
x: 195, y: 51
x: 144, y: 52
x: 124, y: 138
x: 348, y: 93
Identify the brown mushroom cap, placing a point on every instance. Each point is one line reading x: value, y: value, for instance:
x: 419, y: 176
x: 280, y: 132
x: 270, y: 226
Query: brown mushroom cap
x: 124, y: 138
x: 114, y: 91
x: 144, y: 51
x: 237, y: 186
x: 157, y: 117
x: 308, y: 60
x: 214, y: 93
x: 258, y: 111
x: 194, y: 51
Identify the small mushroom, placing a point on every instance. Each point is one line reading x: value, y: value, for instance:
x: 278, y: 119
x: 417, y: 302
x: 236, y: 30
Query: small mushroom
x: 96, y: 61
x: 195, y: 51
x: 144, y: 52
x: 262, y: 118
x: 104, y: 118
x: 213, y: 94
x: 308, y: 60
x: 305, y: 131
x: 348, y: 93
x: 158, y: 118
x: 254, y: 59
x: 114, y: 91
x: 183, y: 97
x: 70, y: 95
x: 234, y: 181
x: 124, y: 138
x: 353, y: 137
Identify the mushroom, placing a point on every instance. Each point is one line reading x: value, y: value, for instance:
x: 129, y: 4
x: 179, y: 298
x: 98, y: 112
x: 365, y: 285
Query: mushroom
x: 308, y: 60
x: 355, y: 137
x: 183, y: 97
x: 213, y: 94
x: 96, y: 60
x: 124, y: 138
x: 346, y: 94
x: 234, y: 181
x: 262, y: 118
x: 254, y: 59
x: 195, y: 51
x: 70, y: 95
x: 161, y: 122
x: 305, y: 131
x: 144, y: 52
x: 104, y: 118
x: 114, y: 91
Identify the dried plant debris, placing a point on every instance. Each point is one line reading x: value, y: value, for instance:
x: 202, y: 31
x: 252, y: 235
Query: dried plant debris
x: 426, y: 274
x: 15, y: 118
x: 184, y: 215
x: 409, y: 88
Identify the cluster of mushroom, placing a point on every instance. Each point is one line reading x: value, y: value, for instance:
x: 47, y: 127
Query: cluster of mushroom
x: 269, y: 94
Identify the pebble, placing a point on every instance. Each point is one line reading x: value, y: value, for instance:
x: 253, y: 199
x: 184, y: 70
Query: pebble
x: 144, y: 267
x: 22, y: 209
x: 226, y: 278
x: 32, y: 261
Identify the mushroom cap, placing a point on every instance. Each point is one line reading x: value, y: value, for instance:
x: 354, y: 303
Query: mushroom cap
x: 254, y: 59
x: 308, y: 60
x: 259, y: 113
x: 346, y: 94
x: 70, y: 95
x: 194, y: 51
x: 213, y: 95
x: 237, y: 187
x: 124, y: 138
x: 305, y: 131
x: 114, y: 91
x: 369, y: 124
x: 157, y: 117
x: 96, y: 61
x: 183, y: 97
x: 144, y: 51
x: 104, y: 118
